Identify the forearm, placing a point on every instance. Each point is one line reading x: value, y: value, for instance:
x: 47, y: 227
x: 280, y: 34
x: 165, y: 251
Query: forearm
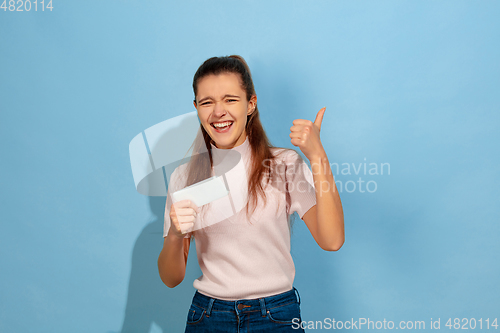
x: 330, y: 216
x: 171, y: 261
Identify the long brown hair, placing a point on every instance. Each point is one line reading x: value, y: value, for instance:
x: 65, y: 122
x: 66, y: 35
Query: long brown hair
x: 263, y: 159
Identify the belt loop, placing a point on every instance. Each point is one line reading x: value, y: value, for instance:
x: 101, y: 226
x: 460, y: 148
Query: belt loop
x: 210, y: 304
x: 262, y: 307
x: 297, y: 292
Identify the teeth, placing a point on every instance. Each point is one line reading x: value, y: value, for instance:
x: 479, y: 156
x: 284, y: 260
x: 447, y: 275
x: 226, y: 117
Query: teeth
x: 227, y: 123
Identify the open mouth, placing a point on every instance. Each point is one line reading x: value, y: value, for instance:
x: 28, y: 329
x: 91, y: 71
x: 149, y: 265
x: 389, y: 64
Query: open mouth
x: 222, y: 127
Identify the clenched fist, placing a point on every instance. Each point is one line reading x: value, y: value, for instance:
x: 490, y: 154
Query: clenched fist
x: 182, y: 216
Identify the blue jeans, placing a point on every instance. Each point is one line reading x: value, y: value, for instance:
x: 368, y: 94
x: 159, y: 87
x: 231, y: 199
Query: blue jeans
x: 277, y: 313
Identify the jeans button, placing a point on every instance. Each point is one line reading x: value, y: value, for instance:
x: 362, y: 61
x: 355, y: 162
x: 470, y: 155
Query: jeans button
x: 240, y: 307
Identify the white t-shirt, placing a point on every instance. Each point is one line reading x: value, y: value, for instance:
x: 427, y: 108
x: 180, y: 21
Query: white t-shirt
x: 244, y: 259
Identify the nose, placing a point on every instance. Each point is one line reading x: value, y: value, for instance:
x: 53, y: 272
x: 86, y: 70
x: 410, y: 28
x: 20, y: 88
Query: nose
x: 219, y: 110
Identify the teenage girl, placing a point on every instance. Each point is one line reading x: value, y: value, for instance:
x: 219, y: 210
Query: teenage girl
x: 248, y: 271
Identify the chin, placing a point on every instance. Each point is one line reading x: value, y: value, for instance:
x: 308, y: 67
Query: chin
x: 224, y: 144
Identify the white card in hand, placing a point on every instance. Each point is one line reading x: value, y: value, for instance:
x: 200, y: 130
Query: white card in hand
x: 203, y: 192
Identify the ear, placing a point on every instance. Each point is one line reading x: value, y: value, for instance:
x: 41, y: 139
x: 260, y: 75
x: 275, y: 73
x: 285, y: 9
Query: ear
x: 194, y: 103
x: 252, y: 103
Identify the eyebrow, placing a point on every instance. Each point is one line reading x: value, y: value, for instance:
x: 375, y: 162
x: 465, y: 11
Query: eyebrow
x: 225, y: 96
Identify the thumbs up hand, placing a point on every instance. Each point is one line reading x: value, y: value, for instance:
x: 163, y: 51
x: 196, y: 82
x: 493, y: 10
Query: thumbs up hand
x: 305, y: 135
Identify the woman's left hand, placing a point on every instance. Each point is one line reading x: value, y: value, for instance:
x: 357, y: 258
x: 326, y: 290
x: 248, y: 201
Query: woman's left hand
x: 305, y: 135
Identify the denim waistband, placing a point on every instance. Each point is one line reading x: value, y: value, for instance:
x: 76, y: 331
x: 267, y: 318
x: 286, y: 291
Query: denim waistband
x: 247, y: 305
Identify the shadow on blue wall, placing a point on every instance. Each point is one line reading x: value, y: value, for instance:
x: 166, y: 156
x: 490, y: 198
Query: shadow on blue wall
x: 149, y: 300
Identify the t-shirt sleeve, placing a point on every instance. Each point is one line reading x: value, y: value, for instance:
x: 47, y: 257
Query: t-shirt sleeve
x: 174, y: 185
x: 300, y: 184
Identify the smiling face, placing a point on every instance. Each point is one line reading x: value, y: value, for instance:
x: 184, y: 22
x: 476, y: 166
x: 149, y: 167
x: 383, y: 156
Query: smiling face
x: 223, y: 108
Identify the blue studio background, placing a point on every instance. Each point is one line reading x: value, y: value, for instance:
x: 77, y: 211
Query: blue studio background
x: 411, y: 90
